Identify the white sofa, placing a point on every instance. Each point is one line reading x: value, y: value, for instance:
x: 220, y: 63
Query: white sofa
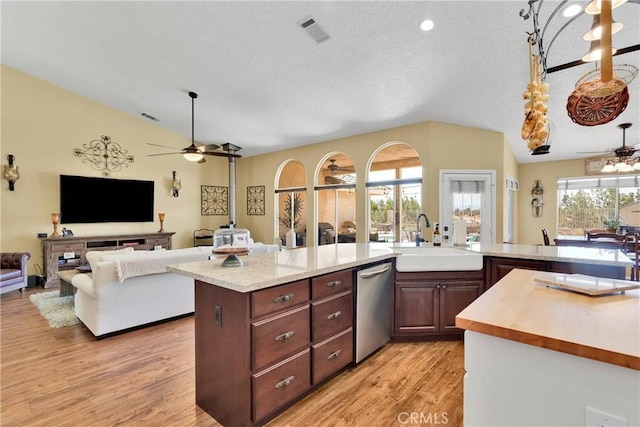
x: 128, y: 288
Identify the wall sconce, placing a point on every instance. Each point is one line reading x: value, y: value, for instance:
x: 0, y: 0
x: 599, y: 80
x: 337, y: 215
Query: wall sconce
x: 176, y: 185
x: 10, y: 172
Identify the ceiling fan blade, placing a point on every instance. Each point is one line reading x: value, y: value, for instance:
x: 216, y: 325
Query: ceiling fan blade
x: 163, y: 154
x: 164, y: 146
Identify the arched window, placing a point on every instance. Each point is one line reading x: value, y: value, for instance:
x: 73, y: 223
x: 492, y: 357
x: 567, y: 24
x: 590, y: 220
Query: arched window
x: 336, y: 195
x: 291, y: 201
x: 394, y: 191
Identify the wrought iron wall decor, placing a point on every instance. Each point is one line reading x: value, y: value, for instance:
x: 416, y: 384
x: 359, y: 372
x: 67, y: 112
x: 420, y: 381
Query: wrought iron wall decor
x: 255, y: 200
x: 214, y: 200
x: 104, y: 155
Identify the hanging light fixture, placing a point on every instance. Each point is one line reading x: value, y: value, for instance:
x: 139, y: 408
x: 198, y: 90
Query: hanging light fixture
x: 595, y: 7
x: 595, y: 33
x: 595, y: 52
x: 192, y: 153
x: 608, y: 168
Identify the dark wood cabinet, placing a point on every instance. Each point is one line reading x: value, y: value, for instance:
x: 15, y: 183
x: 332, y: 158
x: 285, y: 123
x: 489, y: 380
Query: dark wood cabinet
x: 426, y: 303
x: 498, y: 267
x: 258, y: 352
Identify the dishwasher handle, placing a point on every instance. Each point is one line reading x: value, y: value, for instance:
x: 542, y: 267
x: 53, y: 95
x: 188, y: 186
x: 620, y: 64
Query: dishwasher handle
x: 374, y: 273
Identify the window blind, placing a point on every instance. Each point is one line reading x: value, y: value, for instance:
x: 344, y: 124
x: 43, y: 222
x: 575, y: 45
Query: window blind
x: 587, y: 182
x: 467, y: 187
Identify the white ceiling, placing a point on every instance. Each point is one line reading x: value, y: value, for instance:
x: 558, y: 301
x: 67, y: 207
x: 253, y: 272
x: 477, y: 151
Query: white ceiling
x: 266, y: 85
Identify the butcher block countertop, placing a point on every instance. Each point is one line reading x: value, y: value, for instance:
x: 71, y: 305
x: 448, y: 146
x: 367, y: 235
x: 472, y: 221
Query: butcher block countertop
x: 602, y: 328
x: 600, y: 256
x: 262, y: 271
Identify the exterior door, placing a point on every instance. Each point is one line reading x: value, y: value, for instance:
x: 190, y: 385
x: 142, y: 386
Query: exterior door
x: 470, y: 196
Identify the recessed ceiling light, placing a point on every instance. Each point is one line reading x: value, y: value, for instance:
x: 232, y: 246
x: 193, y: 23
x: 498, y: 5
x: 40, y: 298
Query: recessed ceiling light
x: 426, y: 25
x: 572, y: 10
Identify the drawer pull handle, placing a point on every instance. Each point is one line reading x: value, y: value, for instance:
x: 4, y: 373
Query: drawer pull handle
x: 334, y: 354
x: 334, y: 315
x: 285, y: 336
x: 285, y: 382
x: 283, y: 298
x: 334, y: 283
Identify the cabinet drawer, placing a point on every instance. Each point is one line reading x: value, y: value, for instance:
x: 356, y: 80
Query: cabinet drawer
x: 332, y: 355
x: 278, y: 336
x: 331, y: 284
x: 280, y: 384
x: 331, y: 316
x: 65, y: 247
x: 278, y: 298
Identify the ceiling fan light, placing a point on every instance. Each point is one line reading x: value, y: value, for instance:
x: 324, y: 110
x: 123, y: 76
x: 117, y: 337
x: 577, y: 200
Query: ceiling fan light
x: 608, y: 168
x: 636, y: 165
x: 193, y: 157
x: 595, y: 7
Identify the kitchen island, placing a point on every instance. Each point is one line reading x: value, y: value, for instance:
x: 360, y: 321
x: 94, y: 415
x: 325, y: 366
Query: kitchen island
x: 536, y: 355
x: 273, y: 330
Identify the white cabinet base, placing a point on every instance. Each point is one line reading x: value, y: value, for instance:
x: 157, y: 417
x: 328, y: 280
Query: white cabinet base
x: 513, y: 384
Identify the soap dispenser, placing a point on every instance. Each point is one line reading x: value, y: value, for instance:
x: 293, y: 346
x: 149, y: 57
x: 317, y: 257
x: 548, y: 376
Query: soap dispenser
x: 437, y: 237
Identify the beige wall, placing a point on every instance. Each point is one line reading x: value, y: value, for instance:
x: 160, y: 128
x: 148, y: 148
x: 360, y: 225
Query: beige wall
x: 510, y: 169
x: 41, y: 126
x: 43, y: 123
x: 529, y: 228
x: 439, y: 145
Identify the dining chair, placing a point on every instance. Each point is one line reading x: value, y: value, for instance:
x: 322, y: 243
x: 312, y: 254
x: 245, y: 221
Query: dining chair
x: 635, y: 270
x: 545, y: 237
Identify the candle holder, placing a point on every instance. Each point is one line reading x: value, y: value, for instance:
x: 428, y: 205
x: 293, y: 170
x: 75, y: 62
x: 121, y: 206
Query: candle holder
x: 161, y: 218
x: 55, y: 219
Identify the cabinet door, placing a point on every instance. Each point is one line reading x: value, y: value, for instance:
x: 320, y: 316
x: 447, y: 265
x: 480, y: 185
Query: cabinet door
x: 455, y: 297
x: 416, y: 308
x: 500, y: 267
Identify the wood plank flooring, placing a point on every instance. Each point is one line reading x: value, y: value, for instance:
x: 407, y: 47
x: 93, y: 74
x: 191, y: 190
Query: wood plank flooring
x: 64, y: 377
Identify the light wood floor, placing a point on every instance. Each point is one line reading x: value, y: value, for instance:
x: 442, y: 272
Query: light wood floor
x: 64, y: 377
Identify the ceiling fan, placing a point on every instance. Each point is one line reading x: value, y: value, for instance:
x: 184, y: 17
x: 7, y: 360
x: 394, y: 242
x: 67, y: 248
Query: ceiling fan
x: 334, y: 168
x: 623, y: 161
x: 196, y: 153
x: 624, y: 151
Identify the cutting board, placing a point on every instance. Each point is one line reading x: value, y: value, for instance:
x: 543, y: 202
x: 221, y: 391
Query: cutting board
x: 588, y: 285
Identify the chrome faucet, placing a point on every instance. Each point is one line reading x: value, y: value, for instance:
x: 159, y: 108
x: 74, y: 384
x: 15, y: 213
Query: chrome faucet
x: 419, y: 238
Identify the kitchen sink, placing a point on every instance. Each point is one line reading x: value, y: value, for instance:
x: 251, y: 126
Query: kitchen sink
x: 432, y: 258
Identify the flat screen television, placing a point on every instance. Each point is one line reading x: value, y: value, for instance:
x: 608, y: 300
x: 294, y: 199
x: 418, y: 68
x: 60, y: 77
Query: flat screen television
x: 92, y: 200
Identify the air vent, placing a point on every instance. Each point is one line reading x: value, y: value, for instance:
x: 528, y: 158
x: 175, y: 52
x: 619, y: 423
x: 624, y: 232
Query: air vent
x: 314, y: 30
x: 150, y: 117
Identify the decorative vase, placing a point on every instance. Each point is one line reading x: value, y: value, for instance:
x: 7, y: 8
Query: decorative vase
x: 161, y: 218
x: 55, y: 219
x: 291, y: 239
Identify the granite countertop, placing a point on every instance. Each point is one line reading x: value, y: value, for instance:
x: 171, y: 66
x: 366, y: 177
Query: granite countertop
x: 266, y: 270
x: 583, y: 255
x: 603, y: 328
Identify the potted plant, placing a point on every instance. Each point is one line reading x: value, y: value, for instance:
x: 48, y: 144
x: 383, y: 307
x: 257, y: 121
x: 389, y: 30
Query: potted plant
x: 611, y: 224
x: 290, y: 218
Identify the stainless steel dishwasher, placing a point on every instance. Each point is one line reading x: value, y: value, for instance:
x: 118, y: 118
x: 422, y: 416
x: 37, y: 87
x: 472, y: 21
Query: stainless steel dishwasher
x: 373, y: 308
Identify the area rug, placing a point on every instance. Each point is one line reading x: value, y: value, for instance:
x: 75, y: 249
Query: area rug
x: 58, y: 311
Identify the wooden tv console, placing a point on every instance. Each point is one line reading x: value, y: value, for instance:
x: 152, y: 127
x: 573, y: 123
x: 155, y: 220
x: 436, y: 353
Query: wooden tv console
x: 66, y: 253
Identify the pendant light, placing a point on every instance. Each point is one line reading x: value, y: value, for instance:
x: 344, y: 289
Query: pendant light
x: 595, y: 33
x: 192, y: 153
x: 595, y: 7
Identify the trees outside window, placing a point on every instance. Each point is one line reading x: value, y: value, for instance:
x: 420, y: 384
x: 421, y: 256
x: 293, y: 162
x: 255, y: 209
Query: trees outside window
x: 597, y: 204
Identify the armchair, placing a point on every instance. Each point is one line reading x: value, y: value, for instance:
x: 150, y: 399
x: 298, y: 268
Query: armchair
x: 13, y: 271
